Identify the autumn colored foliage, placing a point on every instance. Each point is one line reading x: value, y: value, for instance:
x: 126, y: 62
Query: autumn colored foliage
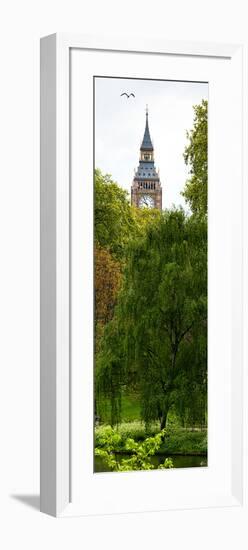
x: 107, y: 284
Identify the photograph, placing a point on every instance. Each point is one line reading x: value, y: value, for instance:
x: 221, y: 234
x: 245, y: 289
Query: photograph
x: 150, y: 274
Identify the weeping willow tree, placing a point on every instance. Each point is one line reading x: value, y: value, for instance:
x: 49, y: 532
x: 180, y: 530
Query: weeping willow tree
x: 191, y: 400
x: 157, y: 339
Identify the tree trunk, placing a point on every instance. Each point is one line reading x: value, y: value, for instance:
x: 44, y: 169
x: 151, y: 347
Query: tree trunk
x: 163, y: 419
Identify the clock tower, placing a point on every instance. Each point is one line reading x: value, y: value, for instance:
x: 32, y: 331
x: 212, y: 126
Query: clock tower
x: 146, y: 190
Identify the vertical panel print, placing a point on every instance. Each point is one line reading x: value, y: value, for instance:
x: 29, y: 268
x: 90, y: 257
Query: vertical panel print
x: 150, y: 274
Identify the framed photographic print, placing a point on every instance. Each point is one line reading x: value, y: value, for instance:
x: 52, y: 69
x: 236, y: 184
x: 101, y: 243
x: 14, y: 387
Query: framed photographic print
x: 141, y: 275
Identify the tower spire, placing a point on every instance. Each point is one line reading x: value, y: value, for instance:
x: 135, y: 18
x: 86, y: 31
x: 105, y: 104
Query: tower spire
x: 147, y: 142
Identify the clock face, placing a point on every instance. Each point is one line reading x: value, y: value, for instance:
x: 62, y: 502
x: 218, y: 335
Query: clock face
x: 146, y: 201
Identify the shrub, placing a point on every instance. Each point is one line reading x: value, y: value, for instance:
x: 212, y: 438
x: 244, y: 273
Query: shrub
x: 139, y: 454
x: 135, y: 430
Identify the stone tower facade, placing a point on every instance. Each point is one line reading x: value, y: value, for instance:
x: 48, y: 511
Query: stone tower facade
x: 146, y: 190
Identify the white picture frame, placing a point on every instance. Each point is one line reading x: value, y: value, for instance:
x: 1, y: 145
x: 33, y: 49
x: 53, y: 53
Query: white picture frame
x: 61, y: 409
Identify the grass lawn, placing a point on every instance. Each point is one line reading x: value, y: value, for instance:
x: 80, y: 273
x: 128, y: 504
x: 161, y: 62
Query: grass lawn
x: 130, y: 409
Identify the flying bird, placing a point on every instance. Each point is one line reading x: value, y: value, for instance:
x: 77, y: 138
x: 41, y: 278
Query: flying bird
x: 128, y: 95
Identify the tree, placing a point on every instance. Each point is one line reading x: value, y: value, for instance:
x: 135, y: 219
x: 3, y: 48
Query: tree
x: 113, y: 217
x: 116, y: 224
x: 161, y: 304
x: 191, y: 402
x: 107, y: 284
x: 196, y: 158
x: 116, y: 221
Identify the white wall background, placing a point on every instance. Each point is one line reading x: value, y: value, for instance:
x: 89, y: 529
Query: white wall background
x: 22, y: 23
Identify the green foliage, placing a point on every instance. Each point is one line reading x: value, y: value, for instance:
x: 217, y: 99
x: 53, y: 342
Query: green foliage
x: 184, y: 442
x: 153, y: 342
x: 143, y: 218
x: 114, y: 221
x: 178, y: 440
x: 135, y: 430
x: 157, y: 340
x: 196, y: 157
x: 139, y: 454
x: 110, y: 366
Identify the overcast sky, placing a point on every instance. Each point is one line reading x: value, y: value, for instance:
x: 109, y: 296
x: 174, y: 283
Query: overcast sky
x: 120, y: 124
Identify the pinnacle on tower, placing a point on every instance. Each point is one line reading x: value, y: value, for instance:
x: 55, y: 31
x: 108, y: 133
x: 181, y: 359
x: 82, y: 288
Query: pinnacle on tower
x: 147, y: 142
